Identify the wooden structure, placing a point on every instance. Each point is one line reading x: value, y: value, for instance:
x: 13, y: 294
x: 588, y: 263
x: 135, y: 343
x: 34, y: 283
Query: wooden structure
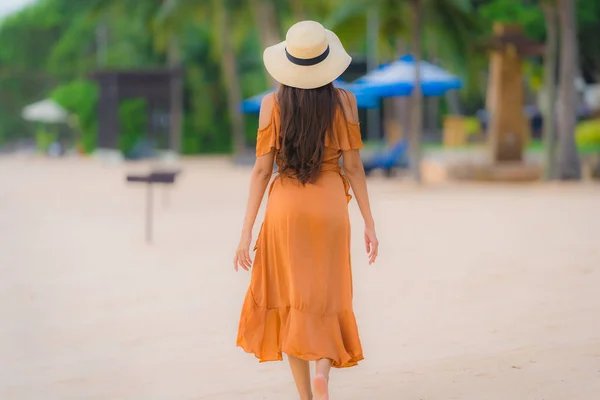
x: 154, y: 86
x: 505, y: 97
x: 155, y: 177
x: 455, y: 131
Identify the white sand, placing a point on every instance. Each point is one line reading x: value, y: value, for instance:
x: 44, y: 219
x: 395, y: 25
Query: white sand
x: 481, y: 292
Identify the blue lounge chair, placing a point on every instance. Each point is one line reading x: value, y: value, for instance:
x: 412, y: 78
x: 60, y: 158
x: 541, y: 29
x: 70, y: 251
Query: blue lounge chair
x: 393, y: 157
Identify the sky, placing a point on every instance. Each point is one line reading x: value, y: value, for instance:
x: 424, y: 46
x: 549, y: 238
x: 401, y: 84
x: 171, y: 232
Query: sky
x: 10, y: 6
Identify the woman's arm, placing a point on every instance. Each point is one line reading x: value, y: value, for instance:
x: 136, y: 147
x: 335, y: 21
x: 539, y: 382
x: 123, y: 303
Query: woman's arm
x: 261, y: 175
x: 355, y: 172
x: 353, y: 167
x: 259, y: 180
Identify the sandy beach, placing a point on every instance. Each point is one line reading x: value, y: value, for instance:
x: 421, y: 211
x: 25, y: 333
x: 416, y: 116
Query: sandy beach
x: 481, y: 292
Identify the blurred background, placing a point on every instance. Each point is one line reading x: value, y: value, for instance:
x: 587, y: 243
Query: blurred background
x: 184, y: 68
x: 127, y: 132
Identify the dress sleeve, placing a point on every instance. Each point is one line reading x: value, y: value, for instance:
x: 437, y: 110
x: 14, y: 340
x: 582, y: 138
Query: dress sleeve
x: 266, y: 138
x: 347, y: 127
x: 348, y: 136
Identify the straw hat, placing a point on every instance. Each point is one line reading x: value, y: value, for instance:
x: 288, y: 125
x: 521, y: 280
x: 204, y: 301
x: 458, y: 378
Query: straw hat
x: 310, y: 57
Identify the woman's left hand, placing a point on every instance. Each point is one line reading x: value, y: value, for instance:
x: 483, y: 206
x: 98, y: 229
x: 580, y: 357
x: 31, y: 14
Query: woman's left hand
x: 242, y: 254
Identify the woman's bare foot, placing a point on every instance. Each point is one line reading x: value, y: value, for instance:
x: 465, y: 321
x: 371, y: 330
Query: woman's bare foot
x: 320, y: 387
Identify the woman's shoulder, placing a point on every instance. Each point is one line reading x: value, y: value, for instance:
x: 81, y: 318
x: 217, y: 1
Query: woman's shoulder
x: 348, y: 104
x: 346, y: 95
x: 269, y: 102
x: 346, y: 127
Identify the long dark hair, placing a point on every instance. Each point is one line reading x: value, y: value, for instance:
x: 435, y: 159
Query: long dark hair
x: 307, y: 115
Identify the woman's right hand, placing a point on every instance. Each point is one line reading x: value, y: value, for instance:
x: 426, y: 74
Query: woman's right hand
x: 371, y: 243
x: 242, y: 254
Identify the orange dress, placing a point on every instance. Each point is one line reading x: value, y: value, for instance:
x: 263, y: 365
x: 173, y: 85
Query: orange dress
x: 300, y: 297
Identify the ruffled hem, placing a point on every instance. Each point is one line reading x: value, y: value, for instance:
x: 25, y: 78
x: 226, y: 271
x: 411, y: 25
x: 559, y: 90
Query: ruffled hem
x: 267, y: 333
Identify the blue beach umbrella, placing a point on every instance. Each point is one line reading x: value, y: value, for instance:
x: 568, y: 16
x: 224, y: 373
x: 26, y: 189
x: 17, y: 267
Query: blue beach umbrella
x: 252, y: 105
x: 398, y: 79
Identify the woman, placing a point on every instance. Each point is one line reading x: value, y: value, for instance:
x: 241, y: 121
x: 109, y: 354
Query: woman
x: 300, y: 296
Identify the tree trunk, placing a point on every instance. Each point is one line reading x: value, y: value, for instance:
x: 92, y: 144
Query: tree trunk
x: 550, y: 59
x: 416, y: 96
x: 265, y: 18
x: 232, y: 81
x: 568, y: 165
x: 101, y: 43
x: 176, y: 91
x: 431, y: 105
x: 396, y: 110
x: 176, y: 94
x: 373, y: 115
x: 298, y: 10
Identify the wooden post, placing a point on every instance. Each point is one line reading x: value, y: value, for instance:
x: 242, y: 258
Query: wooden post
x: 149, y: 208
x: 158, y: 177
x: 505, y: 100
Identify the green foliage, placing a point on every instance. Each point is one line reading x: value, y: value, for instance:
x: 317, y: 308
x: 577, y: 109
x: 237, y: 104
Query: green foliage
x: 133, y: 122
x: 44, y: 138
x: 50, y: 47
x: 472, y: 126
x: 530, y: 16
x: 27, y: 39
x: 206, y: 121
x: 80, y: 98
x: 588, y: 20
x: 587, y: 135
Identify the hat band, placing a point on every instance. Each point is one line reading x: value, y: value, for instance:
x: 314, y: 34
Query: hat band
x: 306, y: 62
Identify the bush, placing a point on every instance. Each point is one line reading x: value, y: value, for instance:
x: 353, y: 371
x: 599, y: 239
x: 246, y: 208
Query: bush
x: 132, y: 119
x: 43, y: 139
x: 587, y: 135
x: 80, y: 98
x: 472, y: 126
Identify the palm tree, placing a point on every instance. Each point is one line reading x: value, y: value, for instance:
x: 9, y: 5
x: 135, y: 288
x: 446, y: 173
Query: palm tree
x: 550, y: 59
x: 223, y: 23
x: 168, y: 36
x: 298, y: 10
x: 417, y: 95
x: 176, y: 93
x: 218, y: 13
x: 568, y: 165
x: 267, y: 21
x: 166, y: 24
x: 447, y: 19
x: 404, y: 21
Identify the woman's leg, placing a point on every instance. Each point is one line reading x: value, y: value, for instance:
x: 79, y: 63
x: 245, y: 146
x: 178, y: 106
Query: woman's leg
x: 301, y: 373
x: 321, y: 381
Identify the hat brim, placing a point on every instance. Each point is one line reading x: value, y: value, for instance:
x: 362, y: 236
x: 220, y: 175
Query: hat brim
x: 307, y: 77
